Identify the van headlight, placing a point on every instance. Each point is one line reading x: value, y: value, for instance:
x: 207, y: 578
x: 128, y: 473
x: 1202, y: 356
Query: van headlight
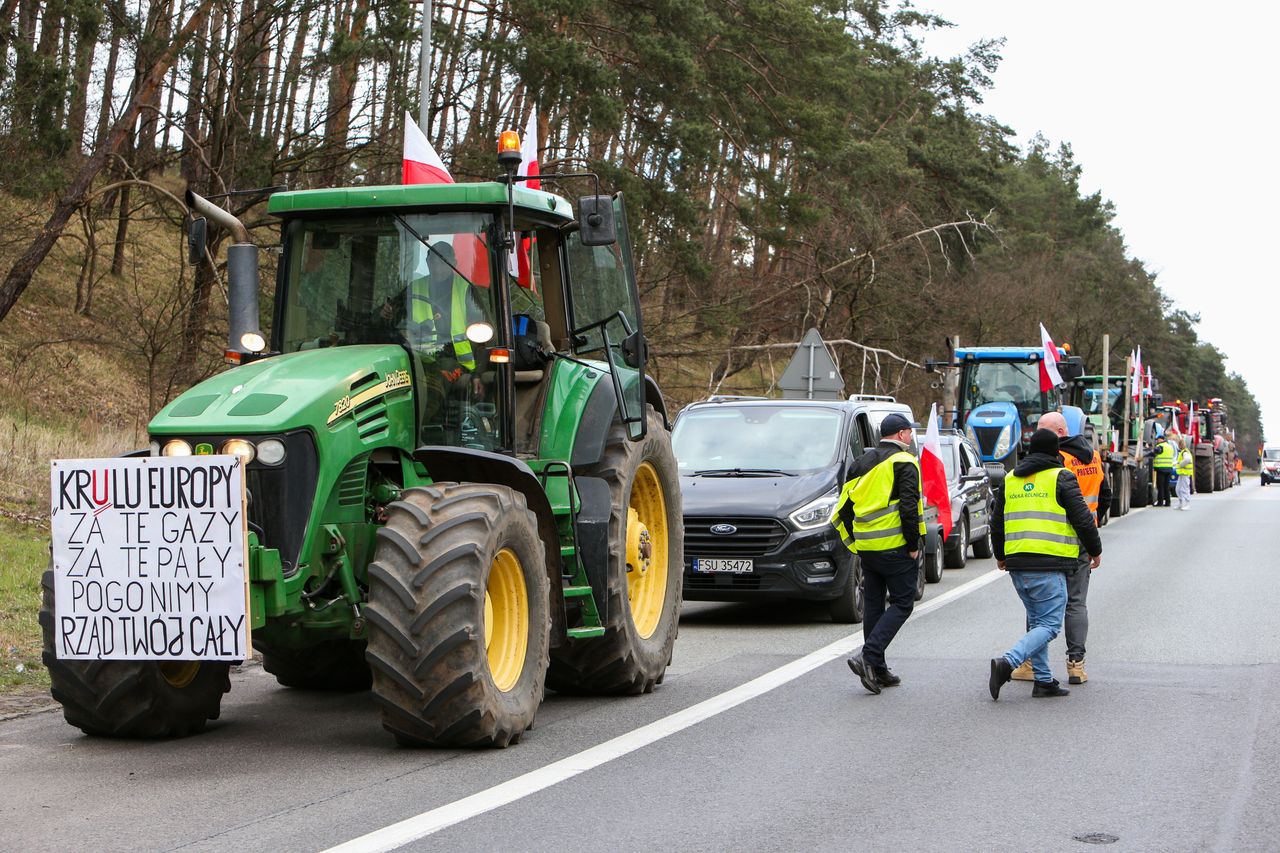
x: 816, y: 512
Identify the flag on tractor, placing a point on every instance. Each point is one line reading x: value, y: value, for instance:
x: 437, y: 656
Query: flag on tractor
x: 422, y: 165
x: 1137, y: 379
x: 519, y: 262
x: 1049, y: 376
x: 933, y: 474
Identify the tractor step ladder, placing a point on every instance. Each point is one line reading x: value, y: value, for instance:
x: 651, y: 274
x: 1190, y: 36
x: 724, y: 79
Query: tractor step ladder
x: 575, y: 585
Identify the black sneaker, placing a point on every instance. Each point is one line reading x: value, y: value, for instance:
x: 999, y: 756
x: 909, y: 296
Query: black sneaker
x: 885, y: 678
x: 864, y: 672
x: 1047, y: 689
x: 1001, y: 672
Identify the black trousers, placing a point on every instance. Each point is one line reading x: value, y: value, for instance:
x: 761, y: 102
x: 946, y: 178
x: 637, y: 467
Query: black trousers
x: 1162, y: 486
x: 885, y: 574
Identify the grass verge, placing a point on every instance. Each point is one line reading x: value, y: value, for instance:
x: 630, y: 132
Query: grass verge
x: 24, y: 554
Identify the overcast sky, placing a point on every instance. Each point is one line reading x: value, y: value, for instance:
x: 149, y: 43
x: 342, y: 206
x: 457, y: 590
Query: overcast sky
x: 1170, y: 109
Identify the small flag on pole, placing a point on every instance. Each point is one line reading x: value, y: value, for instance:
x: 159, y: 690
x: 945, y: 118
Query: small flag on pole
x: 1049, y: 376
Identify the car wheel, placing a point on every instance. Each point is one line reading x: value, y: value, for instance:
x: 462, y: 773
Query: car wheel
x: 920, y: 574
x: 982, y: 548
x: 847, y: 609
x: 956, y: 557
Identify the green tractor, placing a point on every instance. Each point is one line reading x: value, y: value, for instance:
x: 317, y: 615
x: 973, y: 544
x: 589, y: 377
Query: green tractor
x: 461, y: 489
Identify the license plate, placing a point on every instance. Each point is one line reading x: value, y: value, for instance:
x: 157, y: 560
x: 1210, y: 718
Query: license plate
x: 737, y: 567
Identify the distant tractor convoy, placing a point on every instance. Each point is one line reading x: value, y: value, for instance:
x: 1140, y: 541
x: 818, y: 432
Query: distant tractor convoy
x: 461, y: 483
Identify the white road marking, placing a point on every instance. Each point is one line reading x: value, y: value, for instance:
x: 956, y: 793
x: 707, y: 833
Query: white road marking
x: 428, y: 822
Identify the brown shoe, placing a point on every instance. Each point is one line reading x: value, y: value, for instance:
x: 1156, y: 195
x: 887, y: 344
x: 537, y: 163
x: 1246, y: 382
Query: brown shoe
x: 1024, y: 672
x: 1075, y: 671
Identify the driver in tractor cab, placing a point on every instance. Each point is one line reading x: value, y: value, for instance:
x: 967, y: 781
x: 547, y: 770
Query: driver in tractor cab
x: 438, y: 307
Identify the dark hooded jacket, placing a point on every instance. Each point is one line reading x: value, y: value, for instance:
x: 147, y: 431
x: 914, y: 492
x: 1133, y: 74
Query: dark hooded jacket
x: 1079, y: 447
x: 1078, y: 515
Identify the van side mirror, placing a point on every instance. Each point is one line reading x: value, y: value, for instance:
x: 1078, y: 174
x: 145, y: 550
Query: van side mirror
x: 197, y: 235
x: 595, y: 221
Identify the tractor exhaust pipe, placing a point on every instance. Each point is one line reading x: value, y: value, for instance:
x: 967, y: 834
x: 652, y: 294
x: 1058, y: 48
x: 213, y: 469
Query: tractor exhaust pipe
x: 242, y: 272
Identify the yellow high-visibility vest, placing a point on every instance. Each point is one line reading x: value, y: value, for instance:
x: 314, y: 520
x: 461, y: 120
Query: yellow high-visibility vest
x: 1164, y: 455
x: 877, y: 523
x: 1186, y: 464
x: 423, y: 310
x: 1034, y: 521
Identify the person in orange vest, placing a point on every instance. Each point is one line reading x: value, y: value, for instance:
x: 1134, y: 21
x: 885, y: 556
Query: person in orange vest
x: 1081, y: 459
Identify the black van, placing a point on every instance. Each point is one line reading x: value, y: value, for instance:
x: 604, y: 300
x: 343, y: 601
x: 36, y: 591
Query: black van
x: 760, y: 479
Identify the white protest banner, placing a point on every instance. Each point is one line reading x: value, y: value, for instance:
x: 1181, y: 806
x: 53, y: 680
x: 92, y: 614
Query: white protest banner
x: 149, y: 558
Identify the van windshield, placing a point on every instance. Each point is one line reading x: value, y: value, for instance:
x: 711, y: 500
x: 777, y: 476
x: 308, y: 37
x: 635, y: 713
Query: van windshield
x: 786, y: 439
x: 1272, y: 453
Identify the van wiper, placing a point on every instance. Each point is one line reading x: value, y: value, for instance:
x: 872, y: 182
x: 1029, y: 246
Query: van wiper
x: 742, y: 472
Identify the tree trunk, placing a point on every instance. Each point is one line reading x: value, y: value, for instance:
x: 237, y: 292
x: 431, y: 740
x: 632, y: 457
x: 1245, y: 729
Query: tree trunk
x: 109, y: 78
x: 88, y: 26
x: 19, y: 275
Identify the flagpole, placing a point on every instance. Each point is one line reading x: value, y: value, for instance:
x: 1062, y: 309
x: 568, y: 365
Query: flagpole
x: 424, y: 60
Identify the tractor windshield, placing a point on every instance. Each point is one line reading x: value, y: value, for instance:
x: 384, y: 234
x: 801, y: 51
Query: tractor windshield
x: 372, y: 280
x: 1007, y: 382
x: 756, y: 440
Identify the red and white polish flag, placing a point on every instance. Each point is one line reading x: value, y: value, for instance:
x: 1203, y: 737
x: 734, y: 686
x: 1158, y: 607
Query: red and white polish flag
x: 421, y: 164
x: 933, y: 474
x: 1049, y: 376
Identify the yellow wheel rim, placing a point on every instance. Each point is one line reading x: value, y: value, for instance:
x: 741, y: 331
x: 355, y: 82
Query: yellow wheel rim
x: 506, y: 620
x: 179, y: 673
x: 647, y: 547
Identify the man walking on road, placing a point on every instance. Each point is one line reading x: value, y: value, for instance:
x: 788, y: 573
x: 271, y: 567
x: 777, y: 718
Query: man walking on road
x: 1079, y: 457
x: 1038, y: 527
x: 1163, y: 465
x: 880, y: 517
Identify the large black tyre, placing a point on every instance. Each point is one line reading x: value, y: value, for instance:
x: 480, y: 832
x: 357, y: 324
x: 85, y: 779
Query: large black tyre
x: 1204, y: 474
x: 449, y: 555
x: 626, y: 660
x: 1219, y: 473
x: 1141, y: 486
x: 337, y: 665
x: 848, y: 608
x: 131, y: 698
x: 956, y: 556
x: 921, y: 560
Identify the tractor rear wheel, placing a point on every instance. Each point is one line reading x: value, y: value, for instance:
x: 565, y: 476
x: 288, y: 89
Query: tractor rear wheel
x: 1142, y: 486
x: 131, y: 698
x: 1204, y: 474
x: 459, y: 616
x: 337, y: 665
x: 646, y: 570
x: 1219, y: 474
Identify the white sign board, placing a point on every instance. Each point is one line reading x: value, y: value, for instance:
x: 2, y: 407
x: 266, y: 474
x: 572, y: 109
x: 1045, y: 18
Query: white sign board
x: 149, y: 558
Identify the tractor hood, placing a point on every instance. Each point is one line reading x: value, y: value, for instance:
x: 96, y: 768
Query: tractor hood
x: 311, y: 388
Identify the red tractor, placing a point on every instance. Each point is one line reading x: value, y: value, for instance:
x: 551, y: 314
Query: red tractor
x: 1212, y: 441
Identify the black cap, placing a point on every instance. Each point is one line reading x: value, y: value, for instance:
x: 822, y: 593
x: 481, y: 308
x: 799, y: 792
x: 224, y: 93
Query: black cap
x: 1044, y: 441
x: 893, y: 423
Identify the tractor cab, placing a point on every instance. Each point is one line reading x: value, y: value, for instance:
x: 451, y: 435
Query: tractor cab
x: 1001, y: 397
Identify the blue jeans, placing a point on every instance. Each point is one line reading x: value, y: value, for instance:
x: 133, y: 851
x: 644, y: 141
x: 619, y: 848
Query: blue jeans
x: 1044, y: 595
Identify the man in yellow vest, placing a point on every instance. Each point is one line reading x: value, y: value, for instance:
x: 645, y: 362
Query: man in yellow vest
x: 1038, y: 527
x: 1163, y: 465
x: 1078, y: 457
x: 880, y: 517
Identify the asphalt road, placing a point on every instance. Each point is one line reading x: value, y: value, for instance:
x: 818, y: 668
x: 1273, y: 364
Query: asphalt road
x: 1172, y: 745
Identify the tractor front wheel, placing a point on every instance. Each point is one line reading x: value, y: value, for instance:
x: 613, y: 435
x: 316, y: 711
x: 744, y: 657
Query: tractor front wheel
x: 646, y: 570
x: 459, y: 616
x: 131, y: 698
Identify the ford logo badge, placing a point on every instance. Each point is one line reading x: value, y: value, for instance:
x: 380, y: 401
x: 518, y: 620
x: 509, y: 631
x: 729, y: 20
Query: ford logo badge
x: 723, y: 529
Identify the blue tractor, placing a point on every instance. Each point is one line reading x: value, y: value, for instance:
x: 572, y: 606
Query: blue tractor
x: 998, y: 398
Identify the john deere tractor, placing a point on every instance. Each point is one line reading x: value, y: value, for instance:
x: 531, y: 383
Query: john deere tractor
x: 460, y: 480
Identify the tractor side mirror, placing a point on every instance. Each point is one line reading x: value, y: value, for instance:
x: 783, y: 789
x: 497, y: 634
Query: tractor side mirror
x: 595, y: 221
x: 1070, y: 371
x: 634, y: 350
x: 197, y: 236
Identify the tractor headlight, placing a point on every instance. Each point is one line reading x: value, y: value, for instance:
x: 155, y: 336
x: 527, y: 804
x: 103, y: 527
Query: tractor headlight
x: 271, y: 451
x: 816, y: 512
x: 1004, y: 442
x: 971, y: 434
x: 239, y: 448
x: 176, y: 447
